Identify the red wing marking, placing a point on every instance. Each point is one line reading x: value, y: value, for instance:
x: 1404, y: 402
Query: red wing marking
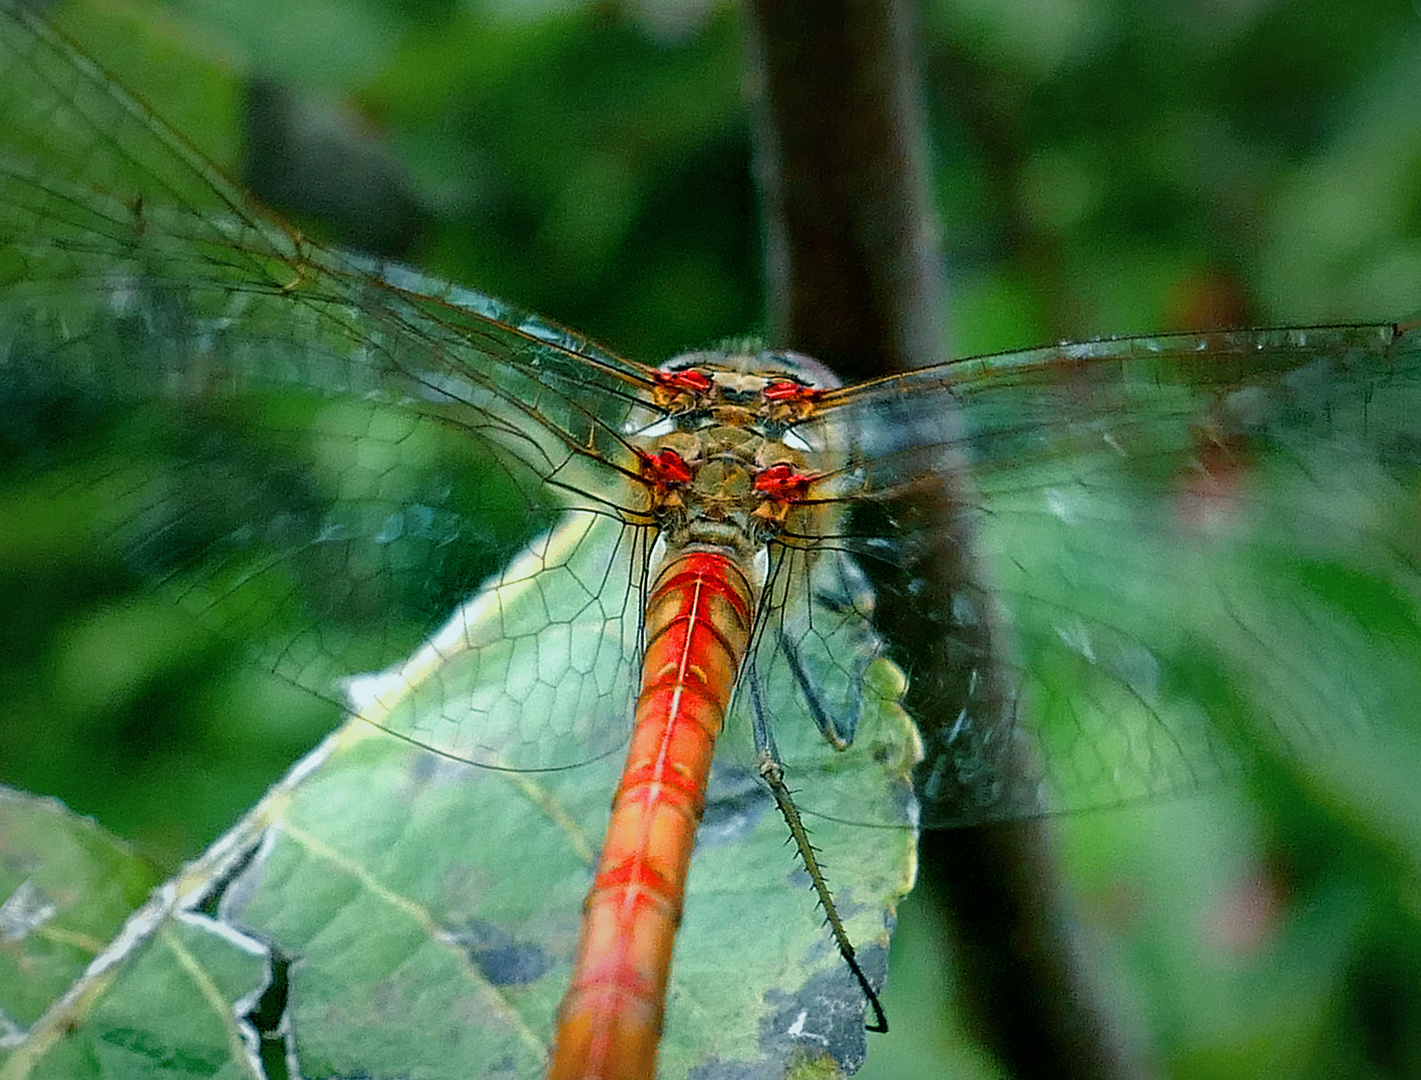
x: 697, y: 382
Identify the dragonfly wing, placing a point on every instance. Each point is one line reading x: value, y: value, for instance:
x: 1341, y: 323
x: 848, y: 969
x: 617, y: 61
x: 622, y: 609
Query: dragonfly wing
x: 1187, y: 550
x: 537, y: 669
x: 815, y: 643
x: 303, y: 447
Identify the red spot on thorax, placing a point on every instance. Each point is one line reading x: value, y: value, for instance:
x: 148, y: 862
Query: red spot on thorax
x: 665, y: 468
x: 782, y: 483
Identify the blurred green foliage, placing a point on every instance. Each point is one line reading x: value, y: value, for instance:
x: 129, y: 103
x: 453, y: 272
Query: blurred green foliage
x: 1102, y: 167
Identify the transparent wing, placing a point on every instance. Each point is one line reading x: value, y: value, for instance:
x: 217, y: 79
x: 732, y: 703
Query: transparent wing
x: 1083, y: 557
x: 1119, y: 569
x: 322, y: 455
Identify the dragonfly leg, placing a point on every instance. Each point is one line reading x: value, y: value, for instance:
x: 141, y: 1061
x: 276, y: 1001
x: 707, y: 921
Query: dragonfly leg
x: 842, y: 648
x: 772, y: 772
x: 838, y: 731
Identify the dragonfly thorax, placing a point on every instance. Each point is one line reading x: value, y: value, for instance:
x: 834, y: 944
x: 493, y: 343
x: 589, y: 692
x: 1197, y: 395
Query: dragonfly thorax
x: 725, y: 465
x: 704, y: 486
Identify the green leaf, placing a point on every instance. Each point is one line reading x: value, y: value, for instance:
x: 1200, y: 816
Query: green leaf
x: 429, y: 910
x: 66, y: 886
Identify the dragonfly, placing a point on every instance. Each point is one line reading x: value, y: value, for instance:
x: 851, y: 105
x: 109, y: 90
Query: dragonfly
x: 552, y: 557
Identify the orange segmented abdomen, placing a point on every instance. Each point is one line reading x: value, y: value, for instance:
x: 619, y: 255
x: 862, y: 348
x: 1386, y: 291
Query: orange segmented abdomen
x: 698, y: 617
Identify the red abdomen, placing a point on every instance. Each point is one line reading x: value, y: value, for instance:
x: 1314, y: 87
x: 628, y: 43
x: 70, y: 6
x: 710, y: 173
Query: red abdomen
x: 698, y: 617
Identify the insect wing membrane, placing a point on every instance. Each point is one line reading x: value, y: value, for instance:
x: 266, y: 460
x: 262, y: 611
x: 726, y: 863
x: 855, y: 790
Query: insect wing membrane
x: 1178, y: 551
x: 317, y: 454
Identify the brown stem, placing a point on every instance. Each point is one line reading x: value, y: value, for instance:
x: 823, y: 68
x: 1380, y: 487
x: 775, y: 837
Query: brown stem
x: 853, y: 265
x: 854, y: 278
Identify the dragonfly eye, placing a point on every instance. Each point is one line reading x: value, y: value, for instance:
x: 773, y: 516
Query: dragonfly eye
x: 799, y: 370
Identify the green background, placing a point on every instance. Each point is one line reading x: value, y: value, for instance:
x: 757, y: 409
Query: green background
x: 1101, y: 168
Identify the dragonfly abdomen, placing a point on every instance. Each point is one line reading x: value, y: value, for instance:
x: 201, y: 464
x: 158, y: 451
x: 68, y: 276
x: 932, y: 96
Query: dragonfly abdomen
x: 698, y: 621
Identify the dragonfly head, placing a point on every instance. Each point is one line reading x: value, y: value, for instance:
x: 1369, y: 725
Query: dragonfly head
x: 740, y: 366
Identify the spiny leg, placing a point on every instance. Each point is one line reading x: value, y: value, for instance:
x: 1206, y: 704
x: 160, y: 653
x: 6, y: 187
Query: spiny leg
x: 772, y: 772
